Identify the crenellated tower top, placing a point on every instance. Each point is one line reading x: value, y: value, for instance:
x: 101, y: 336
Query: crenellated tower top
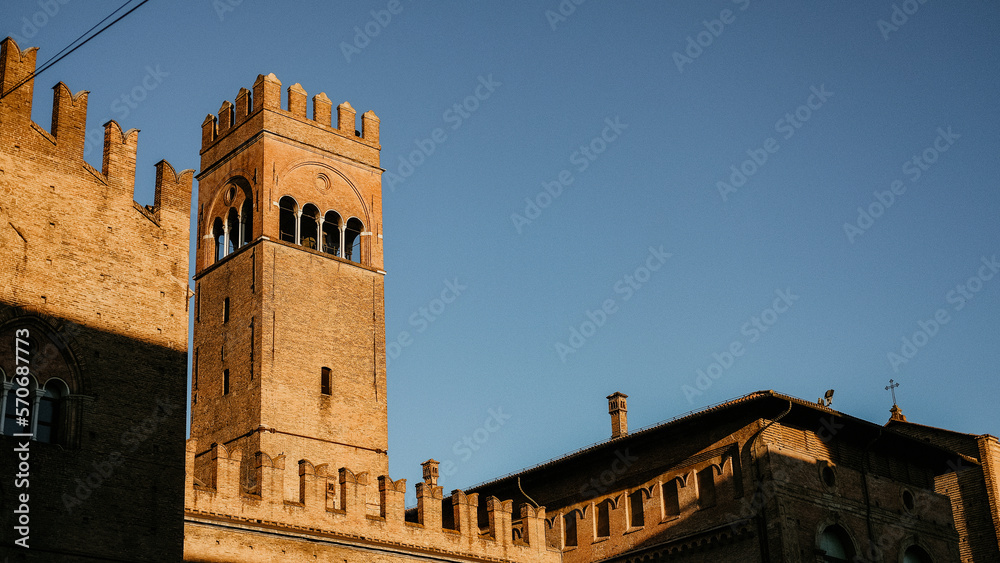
x: 261, y: 109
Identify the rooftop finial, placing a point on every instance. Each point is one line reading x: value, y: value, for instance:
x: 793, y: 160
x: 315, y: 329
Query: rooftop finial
x: 892, y: 387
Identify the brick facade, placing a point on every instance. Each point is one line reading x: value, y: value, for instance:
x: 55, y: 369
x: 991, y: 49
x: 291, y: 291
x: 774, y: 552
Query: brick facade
x: 100, y: 283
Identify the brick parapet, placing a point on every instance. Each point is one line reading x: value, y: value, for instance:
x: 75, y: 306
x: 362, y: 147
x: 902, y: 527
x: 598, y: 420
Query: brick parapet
x: 335, y: 503
x: 260, y: 111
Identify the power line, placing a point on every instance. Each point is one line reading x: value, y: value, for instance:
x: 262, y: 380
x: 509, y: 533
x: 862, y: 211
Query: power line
x: 66, y: 51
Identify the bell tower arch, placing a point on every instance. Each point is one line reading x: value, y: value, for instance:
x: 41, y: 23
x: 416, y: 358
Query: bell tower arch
x: 289, y: 332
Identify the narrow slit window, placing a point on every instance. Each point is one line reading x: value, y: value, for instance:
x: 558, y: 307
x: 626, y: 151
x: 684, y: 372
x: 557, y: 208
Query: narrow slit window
x: 225, y: 382
x: 252, y: 341
x: 225, y: 310
x: 324, y: 383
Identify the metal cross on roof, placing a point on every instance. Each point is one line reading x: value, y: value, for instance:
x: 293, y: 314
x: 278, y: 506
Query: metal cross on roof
x: 892, y: 388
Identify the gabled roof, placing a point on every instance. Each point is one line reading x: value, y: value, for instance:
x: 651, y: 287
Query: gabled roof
x: 766, y: 405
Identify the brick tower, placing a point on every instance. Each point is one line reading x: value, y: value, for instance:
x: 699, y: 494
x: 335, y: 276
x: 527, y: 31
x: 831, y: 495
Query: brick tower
x: 289, y: 332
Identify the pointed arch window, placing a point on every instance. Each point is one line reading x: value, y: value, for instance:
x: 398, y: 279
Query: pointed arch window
x: 836, y: 545
x: 916, y: 554
x: 53, y: 384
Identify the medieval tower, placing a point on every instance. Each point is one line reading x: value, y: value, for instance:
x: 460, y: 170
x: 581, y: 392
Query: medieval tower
x: 289, y: 332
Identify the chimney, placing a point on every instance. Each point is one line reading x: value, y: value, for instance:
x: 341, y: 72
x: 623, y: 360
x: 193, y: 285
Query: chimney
x: 430, y: 472
x: 619, y: 414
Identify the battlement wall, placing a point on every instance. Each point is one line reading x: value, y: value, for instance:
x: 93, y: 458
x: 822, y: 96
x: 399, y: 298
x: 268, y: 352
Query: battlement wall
x: 358, y: 506
x: 260, y: 109
x: 62, y: 148
x: 80, y: 247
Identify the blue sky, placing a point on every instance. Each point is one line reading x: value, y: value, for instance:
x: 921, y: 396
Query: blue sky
x: 639, y: 193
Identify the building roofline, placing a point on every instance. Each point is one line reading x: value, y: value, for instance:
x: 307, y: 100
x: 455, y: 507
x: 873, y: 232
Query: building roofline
x: 694, y: 415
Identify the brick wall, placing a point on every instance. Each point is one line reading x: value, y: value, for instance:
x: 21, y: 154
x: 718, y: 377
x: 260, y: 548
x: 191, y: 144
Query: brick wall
x: 102, y: 280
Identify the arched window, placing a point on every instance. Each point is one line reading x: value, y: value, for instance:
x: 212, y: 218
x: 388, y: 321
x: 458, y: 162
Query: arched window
x: 309, y: 226
x: 287, y: 208
x: 352, y: 239
x: 50, y: 411
x: 331, y: 233
x: 232, y: 231
x: 246, y: 222
x: 52, y: 381
x: 916, y: 554
x: 10, y: 410
x: 219, y: 234
x: 836, y: 545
